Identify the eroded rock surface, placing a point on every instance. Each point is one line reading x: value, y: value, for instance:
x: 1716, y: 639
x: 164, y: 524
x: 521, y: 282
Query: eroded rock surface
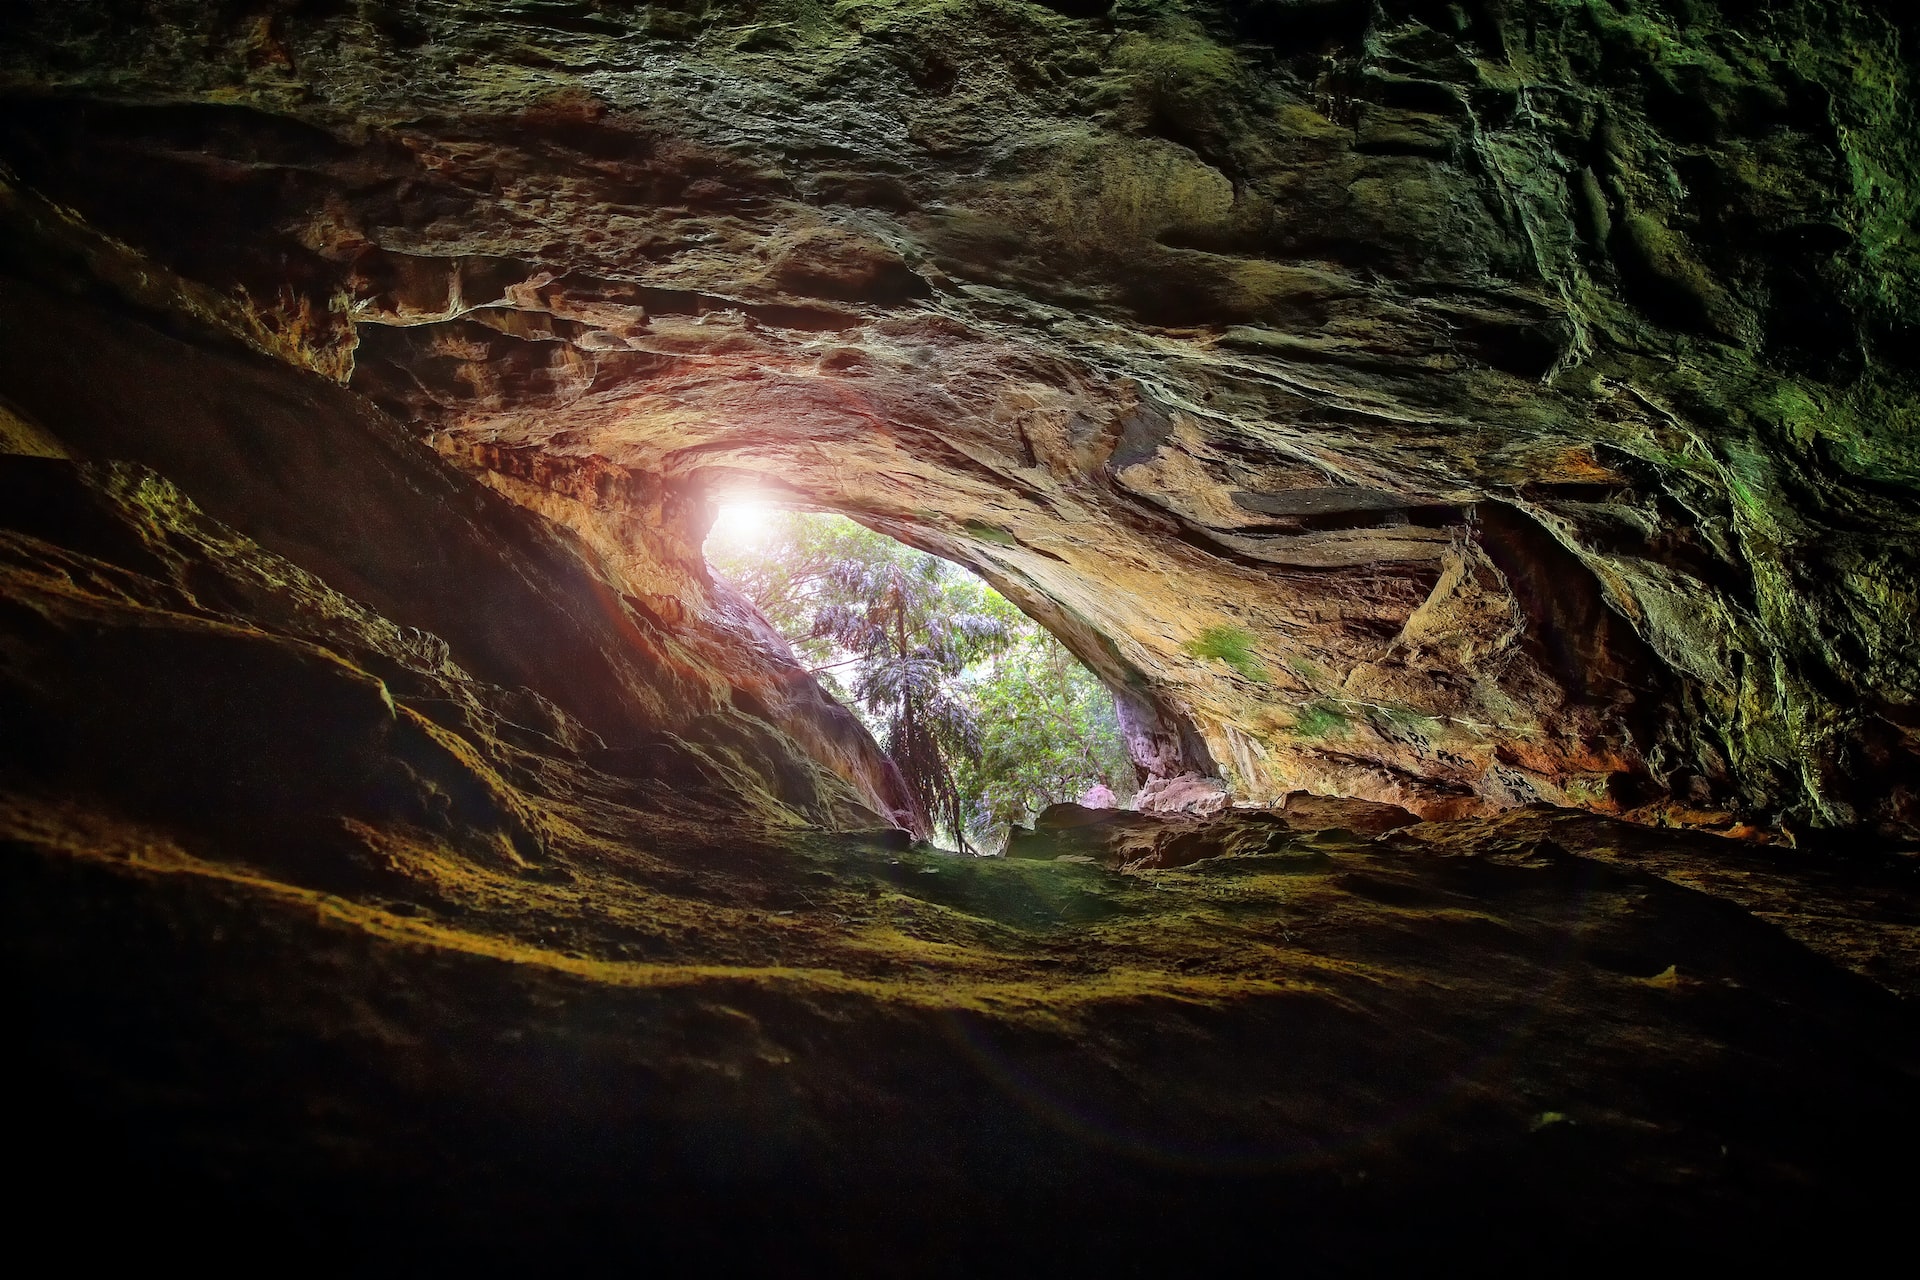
x: 1547, y: 1039
x: 1457, y: 406
x: 1124, y: 839
x: 452, y: 591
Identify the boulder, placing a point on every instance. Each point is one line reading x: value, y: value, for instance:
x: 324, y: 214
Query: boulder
x: 1189, y: 793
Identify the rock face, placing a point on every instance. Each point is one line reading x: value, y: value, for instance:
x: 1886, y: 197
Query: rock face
x: 1186, y: 793
x: 1457, y: 406
x: 1432, y: 420
x: 1124, y: 840
x: 1546, y: 1037
x: 457, y: 584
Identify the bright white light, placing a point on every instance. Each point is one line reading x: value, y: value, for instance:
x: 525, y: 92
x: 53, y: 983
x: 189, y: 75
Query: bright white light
x: 741, y: 524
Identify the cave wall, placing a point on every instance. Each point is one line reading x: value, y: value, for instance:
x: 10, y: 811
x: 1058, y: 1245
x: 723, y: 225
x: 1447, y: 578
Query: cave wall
x: 1457, y: 405
x: 364, y: 564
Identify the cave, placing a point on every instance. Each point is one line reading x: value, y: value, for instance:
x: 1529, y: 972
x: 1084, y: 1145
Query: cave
x: 1478, y: 444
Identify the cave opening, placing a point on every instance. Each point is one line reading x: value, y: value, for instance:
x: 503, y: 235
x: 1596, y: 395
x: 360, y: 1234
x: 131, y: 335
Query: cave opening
x: 989, y: 718
x: 1475, y: 449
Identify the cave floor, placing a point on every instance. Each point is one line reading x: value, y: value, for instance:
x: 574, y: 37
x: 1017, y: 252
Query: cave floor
x: 1547, y: 1036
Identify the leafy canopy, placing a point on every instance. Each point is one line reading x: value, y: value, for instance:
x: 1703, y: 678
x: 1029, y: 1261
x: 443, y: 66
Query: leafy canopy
x: 988, y: 716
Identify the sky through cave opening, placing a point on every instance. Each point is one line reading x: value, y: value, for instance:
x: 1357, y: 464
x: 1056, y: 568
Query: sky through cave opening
x: 990, y: 718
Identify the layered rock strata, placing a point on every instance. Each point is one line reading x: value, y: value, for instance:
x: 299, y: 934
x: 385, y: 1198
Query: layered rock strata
x: 1455, y: 405
x: 318, y: 556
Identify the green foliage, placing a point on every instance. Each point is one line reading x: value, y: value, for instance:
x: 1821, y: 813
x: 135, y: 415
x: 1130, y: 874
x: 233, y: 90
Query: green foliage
x: 1049, y: 732
x: 1232, y: 646
x: 988, y: 716
x: 1405, y: 722
x: 1320, y: 720
x: 910, y: 638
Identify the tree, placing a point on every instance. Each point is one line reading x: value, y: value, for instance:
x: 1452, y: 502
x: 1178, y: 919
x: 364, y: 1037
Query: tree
x: 989, y: 718
x: 1049, y: 732
x: 907, y: 621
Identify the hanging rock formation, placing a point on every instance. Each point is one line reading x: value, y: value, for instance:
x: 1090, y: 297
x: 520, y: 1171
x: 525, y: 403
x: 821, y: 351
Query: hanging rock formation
x: 1453, y: 425
x: 1455, y: 405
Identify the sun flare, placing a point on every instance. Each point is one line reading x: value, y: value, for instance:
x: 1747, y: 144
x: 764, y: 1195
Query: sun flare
x: 741, y: 524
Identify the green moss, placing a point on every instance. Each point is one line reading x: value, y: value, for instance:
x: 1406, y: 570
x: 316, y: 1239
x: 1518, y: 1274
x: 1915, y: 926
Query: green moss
x: 1880, y: 154
x: 1873, y: 431
x: 1182, y: 74
x: 1321, y: 719
x: 990, y: 533
x: 1187, y: 63
x: 1585, y: 790
x: 1664, y: 255
x: 1754, y: 490
x: 1673, y: 459
x: 1232, y: 646
x: 1794, y: 411
x: 1008, y: 891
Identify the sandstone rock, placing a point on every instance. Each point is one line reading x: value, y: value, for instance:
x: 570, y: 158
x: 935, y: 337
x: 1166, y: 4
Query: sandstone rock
x: 309, y: 473
x: 1061, y: 817
x: 1141, y: 841
x: 1371, y: 425
x: 1111, y: 837
x: 1312, y: 812
x: 1188, y: 793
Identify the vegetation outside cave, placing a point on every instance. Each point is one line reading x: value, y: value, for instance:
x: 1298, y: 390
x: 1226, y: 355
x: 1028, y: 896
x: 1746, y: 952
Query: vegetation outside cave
x: 989, y: 717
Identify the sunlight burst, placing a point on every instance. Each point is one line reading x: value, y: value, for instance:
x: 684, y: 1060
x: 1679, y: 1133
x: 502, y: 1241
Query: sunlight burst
x: 742, y: 524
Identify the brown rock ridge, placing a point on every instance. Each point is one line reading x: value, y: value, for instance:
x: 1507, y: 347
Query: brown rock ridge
x: 1136, y: 841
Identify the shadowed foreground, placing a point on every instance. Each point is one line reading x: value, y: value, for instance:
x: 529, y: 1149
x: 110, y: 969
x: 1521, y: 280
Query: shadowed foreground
x: 1516, y: 1042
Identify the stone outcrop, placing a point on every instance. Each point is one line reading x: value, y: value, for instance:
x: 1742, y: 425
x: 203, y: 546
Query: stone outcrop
x: 1125, y: 840
x: 1183, y: 793
x: 1549, y: 1036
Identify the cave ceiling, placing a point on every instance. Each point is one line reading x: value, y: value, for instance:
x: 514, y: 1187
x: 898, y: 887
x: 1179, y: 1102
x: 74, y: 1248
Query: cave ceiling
x: 1454, y: 405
